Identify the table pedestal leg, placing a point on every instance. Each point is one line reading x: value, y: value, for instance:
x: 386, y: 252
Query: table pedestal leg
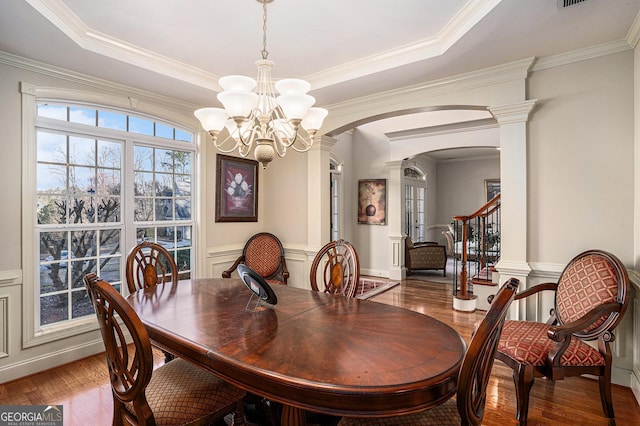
x: 292, y: 416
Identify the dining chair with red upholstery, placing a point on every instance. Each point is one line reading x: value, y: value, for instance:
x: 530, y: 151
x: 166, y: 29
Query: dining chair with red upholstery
x: 263, y: 253
x: 591, y: 297
x: 468, y: 406
x: 175, y: 393
x: 337, y: 268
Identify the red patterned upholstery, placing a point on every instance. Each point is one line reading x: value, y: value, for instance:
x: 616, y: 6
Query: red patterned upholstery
x: 263, y: 253
x: 591, y: 297
x: 527, y: 342
x: 586, y: 283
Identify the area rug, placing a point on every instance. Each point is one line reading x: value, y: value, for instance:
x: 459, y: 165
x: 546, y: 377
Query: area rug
x: 369, y: 287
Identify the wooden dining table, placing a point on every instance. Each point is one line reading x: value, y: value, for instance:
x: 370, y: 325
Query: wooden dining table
x: 310, y: 351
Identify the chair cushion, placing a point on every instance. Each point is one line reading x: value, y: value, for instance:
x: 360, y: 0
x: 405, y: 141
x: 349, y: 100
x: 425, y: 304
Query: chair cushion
x: 443, y: 414
x: 263, y: 255
x: 180, y: 393
x: 588, y: 282
x: 527, y: 343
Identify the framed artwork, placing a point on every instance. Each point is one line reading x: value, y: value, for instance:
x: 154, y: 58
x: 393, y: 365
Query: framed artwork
x: 491, y: 188
x: 236, y: 189
x: 372, y: 201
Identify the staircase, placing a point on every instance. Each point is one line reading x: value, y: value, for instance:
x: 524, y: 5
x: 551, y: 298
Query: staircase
x: 479, y: 233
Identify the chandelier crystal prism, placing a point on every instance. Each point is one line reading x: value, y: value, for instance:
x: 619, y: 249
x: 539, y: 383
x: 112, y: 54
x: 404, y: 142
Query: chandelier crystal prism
x: 262, y: 115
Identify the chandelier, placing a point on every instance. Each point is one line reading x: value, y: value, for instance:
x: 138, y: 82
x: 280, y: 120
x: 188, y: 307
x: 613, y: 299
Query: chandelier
x: 255, y: 116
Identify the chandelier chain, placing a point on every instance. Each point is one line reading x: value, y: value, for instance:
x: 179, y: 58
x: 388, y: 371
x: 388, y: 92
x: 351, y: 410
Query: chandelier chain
x: 265, y: 52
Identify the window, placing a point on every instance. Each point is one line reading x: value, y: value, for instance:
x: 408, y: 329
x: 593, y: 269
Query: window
x: 104, y: 180
x: 335, y: 203
x: 414, y: 195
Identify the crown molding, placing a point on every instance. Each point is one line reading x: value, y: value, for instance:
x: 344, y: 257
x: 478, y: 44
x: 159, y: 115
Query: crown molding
x: 581, y: 54
x: 633, y: 35
x: 89, y: 39
x: 56, y: 12
x: 454, y: 30
x: 94, y: 82
x: 466, y: 126
x: 517, y: 70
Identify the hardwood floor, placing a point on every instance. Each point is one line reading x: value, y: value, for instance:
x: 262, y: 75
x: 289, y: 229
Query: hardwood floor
x: 82, y: 387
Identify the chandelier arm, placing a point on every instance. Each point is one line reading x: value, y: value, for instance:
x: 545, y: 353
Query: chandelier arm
x: 307, y: 144
x: 248, y: 142
x: 244, y: 150
x: 279, y: 146
x: 219, y: 145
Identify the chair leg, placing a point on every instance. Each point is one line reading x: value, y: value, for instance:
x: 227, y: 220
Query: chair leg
x: 238, y: 415
x: 168, y: 356
x: 523, y: 378
x: 604, y: 383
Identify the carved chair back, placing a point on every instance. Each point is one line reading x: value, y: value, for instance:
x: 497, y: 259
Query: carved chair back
x: 149, y: 264
x: 337, y: 268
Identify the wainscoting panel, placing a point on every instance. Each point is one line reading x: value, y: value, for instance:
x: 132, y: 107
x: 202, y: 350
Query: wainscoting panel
x: 4, y: 326
x: 635, y: 374
x: 298, y: 260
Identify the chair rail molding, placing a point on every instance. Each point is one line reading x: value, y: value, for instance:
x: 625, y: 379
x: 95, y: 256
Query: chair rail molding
x: 11, y: 277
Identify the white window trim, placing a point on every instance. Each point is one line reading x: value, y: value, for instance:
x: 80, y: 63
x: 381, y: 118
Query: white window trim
x: 420, y: 182
x: 31, y: 94
x: 337, y: 173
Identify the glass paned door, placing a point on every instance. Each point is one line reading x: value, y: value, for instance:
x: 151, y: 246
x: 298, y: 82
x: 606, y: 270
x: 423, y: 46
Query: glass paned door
x: 414, y: 211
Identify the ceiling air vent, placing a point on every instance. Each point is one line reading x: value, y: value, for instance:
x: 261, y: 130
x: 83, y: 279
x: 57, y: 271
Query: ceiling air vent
x: 566, y: 3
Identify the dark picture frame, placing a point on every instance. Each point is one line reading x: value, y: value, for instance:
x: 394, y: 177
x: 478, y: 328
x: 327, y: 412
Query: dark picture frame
x: 236, y: 189
x: 372, y: 201
x: 491, y: 188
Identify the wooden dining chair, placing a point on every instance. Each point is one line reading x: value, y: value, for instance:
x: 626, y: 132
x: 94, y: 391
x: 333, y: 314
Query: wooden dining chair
x: 591, y: 297
x: 149, y: 264
x: 263, y: 253
x: 468, y: 406
x: 337, y: 268
x: 175, y: 393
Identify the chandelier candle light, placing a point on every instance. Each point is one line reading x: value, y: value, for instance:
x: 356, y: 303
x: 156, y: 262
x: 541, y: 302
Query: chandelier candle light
x: 254, y: 115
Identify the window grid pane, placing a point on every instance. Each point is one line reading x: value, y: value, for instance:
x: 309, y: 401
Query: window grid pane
x: 79, y: 204
x: 108, y: 119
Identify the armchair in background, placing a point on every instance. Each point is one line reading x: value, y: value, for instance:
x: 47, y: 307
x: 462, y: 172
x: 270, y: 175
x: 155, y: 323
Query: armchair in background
x: 264, y: 254
x: 425, y: 256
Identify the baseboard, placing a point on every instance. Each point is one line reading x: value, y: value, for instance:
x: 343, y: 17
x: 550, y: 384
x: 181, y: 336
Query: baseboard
x: 635, y: 386
x: 374, y: 273
x: 37, y: 364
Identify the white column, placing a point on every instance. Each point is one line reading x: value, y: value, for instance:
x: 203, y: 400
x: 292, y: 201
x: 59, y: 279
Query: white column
x: 318, y: 186
x: 394, y: 220
x: 513, y: 174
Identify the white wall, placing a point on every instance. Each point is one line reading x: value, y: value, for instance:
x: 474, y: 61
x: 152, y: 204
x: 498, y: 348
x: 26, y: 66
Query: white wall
x: 370, y: 154
x: 461, y: 186
x: 581, y: 160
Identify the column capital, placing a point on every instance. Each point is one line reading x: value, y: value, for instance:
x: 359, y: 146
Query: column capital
x: 323, y: 142
x: 394, y: 164
x: 513, y: 113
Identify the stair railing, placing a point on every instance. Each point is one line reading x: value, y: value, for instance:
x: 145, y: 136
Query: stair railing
x: 478, y: 235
